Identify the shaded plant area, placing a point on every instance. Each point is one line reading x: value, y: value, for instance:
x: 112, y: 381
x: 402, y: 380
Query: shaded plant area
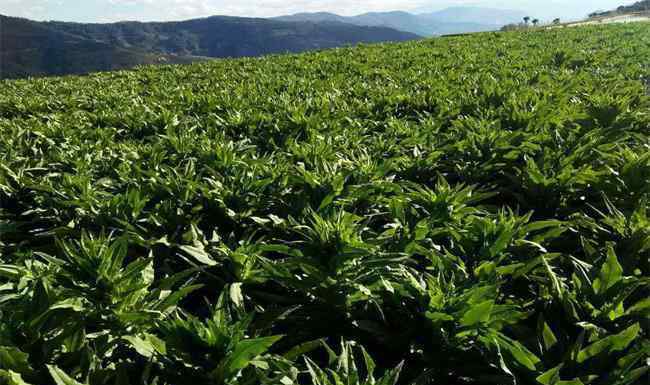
x: 467, y: 210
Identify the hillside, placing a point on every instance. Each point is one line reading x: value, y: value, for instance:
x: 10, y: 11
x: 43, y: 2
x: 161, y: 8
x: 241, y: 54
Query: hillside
x: 448, y: 21
x: 28, y: 48
x: 640, y: 6
x: 470, y: 210
x: 35, y: 48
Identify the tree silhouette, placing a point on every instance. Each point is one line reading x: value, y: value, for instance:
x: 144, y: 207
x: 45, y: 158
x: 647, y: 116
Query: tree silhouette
x: 526, y: 20
x: 535, y: 22
x: 556, y: 21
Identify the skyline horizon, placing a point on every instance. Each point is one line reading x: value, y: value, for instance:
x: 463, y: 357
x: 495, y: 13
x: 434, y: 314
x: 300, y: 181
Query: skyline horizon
x: 107, y: 11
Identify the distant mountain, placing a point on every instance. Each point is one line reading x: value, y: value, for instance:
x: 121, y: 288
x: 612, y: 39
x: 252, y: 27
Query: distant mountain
x: 544, y: 10
x: 477, y: 15
x: 402, y: 21
x: 448, y: 21
x: 316, y: 17
x: 54, y: 48
x: 640, y: 6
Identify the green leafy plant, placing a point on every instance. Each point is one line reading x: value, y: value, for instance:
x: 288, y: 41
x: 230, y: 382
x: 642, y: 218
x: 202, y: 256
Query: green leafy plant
x: 470, y: 210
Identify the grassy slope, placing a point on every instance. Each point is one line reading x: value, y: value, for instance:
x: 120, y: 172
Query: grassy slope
x: 328, y: 194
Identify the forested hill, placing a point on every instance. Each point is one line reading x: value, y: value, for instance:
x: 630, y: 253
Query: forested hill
x: 54, y: 48
x: 29, y: 48
x: 639, y: 6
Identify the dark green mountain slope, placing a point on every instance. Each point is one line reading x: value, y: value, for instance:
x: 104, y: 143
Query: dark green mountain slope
x: 639, y: 6
x: 33, y: 48
x: 222, y: 36
x: 30, y: 48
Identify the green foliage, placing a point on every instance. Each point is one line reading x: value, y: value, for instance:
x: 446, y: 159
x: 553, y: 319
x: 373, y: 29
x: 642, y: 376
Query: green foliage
x: 467, y: 210
x: 344, y: 369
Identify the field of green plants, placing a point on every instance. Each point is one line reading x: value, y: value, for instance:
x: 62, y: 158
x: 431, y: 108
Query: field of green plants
x: 466, y: 210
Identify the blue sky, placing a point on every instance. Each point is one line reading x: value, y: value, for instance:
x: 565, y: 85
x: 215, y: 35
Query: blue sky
x: 147, y: 10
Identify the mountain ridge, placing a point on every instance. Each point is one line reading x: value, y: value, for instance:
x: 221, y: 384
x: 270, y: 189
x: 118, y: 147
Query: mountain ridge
x: 31, y: 48
x: 642, y: 6
x: 452, y: 20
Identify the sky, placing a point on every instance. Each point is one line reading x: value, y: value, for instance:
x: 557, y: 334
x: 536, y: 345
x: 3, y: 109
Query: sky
x: 164, y: 10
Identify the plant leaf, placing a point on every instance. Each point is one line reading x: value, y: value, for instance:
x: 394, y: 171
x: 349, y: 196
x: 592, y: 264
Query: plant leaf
x: 60, y: 377
x: 610, y: 273
x: 242, y: 355
x: 610, y: 344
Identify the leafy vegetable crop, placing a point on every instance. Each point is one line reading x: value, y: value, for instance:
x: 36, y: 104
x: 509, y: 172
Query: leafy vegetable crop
x: 467, y: 210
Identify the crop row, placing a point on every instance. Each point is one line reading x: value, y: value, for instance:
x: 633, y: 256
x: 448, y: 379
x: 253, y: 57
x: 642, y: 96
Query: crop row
x: 467, y: 210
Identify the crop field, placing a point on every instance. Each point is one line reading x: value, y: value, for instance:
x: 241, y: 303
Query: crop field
x: 463, y: 210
